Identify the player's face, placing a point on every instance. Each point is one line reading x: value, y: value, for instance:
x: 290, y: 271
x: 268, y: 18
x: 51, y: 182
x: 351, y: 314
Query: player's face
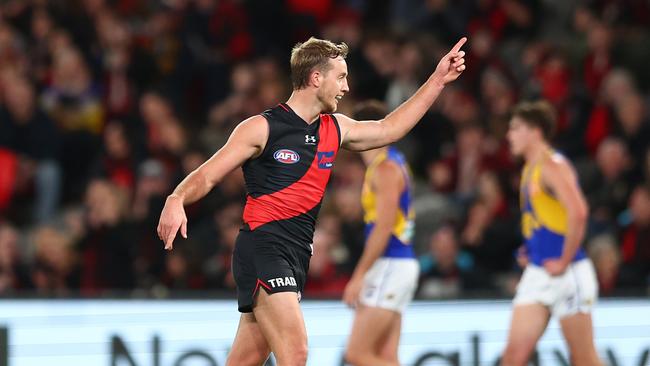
x: 519, y: 136
x: 334, y: 85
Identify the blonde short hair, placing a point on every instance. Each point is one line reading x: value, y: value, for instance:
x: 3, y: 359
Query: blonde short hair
x: 311, y: 55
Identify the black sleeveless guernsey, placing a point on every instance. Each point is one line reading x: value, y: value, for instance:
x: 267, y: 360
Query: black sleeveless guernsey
x: 286, y: 183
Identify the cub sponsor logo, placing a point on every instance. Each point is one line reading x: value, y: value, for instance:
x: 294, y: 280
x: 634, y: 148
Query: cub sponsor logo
x: 286, y: 156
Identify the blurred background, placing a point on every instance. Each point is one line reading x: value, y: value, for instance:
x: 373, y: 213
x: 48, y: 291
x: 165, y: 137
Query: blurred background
x: 105, y: 105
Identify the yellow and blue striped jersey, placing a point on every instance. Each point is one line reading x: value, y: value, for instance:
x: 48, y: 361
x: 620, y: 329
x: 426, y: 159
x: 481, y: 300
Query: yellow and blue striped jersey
x: 544, y: 220
x: 399, y: 245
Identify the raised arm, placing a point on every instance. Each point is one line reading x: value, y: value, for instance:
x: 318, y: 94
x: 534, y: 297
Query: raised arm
x: 558, y: 174
x: 365, y: 135
x: 246, y: 141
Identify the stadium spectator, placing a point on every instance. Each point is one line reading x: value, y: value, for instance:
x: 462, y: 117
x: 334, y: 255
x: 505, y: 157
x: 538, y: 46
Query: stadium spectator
x: 55, y: 268
x: 606, y: 183
x: 14, y: 272
x: 635, y: 239
x: 446, y: 270
x: 28, y: 132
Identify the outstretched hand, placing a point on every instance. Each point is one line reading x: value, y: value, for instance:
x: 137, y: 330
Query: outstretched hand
x: 172, y: 218
x: 452, y: 64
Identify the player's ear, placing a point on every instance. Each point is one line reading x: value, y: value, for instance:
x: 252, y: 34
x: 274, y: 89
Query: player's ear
x: 316, y: 78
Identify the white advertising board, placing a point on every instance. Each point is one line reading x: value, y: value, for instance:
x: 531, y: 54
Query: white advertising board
x: 192, y: 333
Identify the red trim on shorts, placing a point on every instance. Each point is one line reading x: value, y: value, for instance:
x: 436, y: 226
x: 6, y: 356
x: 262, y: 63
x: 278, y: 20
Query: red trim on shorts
x: 257, y: 286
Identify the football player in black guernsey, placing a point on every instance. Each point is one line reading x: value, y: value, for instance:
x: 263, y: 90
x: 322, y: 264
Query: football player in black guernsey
x: 287, y: 154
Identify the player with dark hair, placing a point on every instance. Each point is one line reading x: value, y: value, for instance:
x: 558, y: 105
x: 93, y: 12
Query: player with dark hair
x: 559, y: 278
x: 386, y: 277
x: 287, y: 154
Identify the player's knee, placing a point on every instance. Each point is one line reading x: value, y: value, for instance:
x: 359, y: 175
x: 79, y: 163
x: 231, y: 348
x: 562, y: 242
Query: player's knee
x: 585, y: 359
x: 393, y: 359
x: 357, y: 357
x: 295, y: 355
x: 250, y: 358
x: 514, y: 356
x: 352, y: 353
x: 352, y: 357
x: 301, y: 355
x: 584, y: 355
x: 389, y: 356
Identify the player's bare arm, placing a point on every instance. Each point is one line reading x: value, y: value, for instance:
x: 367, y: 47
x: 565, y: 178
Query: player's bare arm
x: 246, y: 141
x: 560, y: 177
x: 388, y: 183
x: 365, y: 135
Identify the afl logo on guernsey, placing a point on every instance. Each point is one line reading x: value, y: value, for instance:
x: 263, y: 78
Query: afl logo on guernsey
x: 286, y: 156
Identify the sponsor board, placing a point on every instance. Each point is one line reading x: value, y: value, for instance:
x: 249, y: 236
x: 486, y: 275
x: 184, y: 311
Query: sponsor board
x: 185, y: 333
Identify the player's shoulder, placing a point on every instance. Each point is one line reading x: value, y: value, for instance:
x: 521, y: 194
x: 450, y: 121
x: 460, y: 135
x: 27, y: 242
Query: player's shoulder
x: 255, y: 128
x: 387, y: 171
x: 396, y: 155
x: 255, y: 122
x: 556, y: 164
x: 275, y: 112
x: 342, y: 118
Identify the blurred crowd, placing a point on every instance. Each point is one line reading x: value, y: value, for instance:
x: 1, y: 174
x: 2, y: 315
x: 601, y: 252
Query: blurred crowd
x: 105, y: 105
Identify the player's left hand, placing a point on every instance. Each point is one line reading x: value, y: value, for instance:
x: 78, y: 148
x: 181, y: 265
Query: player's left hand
x: 555, y: 267
x: 352, y: 291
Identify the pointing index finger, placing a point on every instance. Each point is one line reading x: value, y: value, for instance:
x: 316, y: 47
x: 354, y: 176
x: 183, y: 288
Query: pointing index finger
x: 458, y: 45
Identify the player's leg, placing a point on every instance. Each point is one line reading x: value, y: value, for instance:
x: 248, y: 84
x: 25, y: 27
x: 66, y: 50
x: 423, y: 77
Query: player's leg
x: 575, y: 313
x: 280, y: 320
x: 579, y: 335
x: 389, y: 286
x: 280, y: 277
x: 407, y: 282
x: 370, y: 328
x: 250, y: 346
x: 390, y: 345
x: 527, y: 325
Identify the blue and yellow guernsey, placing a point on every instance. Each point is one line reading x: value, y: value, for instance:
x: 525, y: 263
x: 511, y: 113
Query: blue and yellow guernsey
x: 399, y: 245
x: 544, y: 220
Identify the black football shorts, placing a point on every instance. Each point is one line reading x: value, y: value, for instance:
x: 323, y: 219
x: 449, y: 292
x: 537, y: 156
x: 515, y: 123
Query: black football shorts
x: 262, y: 260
